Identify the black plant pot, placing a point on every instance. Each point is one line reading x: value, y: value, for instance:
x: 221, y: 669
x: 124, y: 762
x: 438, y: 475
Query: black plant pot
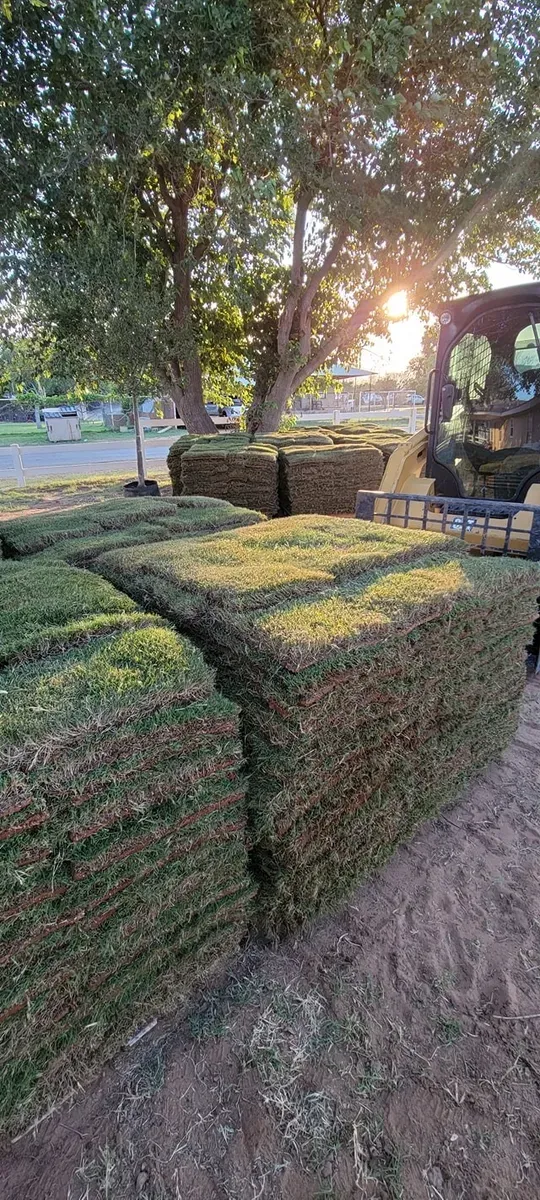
x: 148, y: 488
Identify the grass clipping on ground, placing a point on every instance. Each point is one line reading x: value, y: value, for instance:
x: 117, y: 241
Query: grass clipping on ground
x: 377, y: 669
x: 124, y: 874
x: 80, y: 535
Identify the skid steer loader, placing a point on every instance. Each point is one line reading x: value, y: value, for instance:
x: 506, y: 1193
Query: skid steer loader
x: 474, y: 470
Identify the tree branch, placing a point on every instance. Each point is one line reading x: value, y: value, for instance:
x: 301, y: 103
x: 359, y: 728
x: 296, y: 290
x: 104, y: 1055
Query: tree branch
x: 313, y: 284
x: 485, y: 203
x: 157, y: 225
x: 204, y: 243
x: 168, y: 198
x: 297, y: 271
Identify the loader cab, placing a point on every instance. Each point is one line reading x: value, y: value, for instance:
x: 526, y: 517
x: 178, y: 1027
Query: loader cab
x: 483, y: 412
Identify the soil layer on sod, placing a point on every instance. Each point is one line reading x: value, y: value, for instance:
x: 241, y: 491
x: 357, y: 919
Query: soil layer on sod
x: 124, y: 876
x: 230, y: 469
x: 326, y: 479
x: 377, y: 670
x: 119, y: 522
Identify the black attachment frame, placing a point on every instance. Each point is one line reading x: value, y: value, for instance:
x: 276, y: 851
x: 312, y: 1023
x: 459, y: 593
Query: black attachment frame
x: 451, y: 508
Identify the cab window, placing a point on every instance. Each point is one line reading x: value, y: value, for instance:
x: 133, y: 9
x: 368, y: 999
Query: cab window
x: 492, y: 439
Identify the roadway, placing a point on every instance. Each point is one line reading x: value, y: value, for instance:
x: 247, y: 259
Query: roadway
x: 97, y: 458
x: 85, y: 458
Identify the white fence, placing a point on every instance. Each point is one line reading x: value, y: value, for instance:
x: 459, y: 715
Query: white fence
x: 407, y: 418
x: 14, y: 469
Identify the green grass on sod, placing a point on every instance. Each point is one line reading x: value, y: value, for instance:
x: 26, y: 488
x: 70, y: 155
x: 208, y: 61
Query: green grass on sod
x: 376, y: 675
x: 383, y: 439
x: 172, y: 516
x: 253, y: 567
x: 122, y: 823
x: 45, y: 605
x: 96, y: 686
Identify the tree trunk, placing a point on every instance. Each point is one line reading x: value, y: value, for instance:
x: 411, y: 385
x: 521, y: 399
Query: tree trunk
x: 266, y: 412
x: 139, y: 444
x: 185, y: 386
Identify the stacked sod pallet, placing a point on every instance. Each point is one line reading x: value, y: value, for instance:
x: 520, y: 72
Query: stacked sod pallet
x: 123, y: 870
x: 326, y: 479
x: 79, y: 536
x: 300, y: 437
x: 179, y: 448
x: 300, y: 471
x: 377, y: 669
x: 367, y: 433
x: 240, y: 473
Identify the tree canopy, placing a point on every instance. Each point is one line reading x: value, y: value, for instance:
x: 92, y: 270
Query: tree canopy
x: 141, y: 206
x: 410, y: 150
x: 234, y: 188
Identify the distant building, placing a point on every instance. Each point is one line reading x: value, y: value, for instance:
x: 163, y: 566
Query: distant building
x: 517, y: 427
x: 345, y: 395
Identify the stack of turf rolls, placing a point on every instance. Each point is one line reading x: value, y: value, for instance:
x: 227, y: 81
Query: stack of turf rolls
x: 326, y: 479
x: 235, y: 471
x: 229, y: 442
x: 80, y: 535
x: 253, y: 478
x: 179, y: 448
x: 367, y: 433
x: 297, y: 437
x: 123, y: 869
x: 378, y: 669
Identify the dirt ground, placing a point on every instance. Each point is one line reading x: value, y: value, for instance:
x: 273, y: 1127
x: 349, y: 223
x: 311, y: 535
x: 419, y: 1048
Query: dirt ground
x: 50, y: 496
x: 393, y: 1051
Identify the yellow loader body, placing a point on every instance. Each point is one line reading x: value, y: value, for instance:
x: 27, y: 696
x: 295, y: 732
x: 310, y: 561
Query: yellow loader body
x: 405, y: 476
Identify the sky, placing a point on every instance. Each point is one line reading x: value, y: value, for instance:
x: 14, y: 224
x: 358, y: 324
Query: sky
x: 394, y: 353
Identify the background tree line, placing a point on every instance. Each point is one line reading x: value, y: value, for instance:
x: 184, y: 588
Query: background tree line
x: 199, y: 195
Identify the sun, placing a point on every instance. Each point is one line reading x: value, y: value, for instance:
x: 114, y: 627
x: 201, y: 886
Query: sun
x: 397, y: 307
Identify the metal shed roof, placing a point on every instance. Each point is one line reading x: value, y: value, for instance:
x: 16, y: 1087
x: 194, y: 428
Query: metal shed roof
x: 65, y: 410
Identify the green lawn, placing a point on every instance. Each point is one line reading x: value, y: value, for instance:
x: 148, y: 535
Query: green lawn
x: 26, y: 434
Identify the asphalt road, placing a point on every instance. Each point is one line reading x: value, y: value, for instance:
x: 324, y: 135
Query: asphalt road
x: 84, y: 458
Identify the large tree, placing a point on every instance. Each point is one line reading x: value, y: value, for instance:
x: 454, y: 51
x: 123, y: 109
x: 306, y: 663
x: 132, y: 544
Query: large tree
x: 409, y: 153
x: 134, y: 123
x: 396, y: 141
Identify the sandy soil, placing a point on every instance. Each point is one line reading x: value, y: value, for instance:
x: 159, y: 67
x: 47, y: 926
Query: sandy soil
x: 51, y: 499
x: 393, y: 1051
